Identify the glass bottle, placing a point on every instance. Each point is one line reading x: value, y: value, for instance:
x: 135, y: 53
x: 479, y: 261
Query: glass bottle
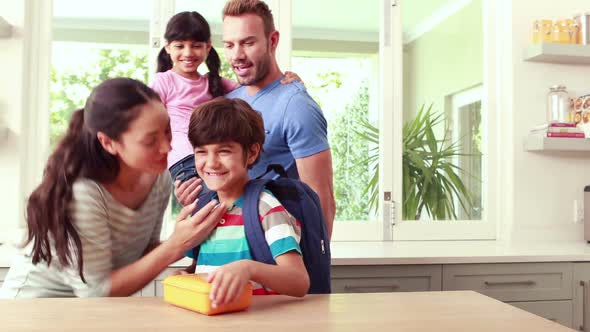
x: 558, y: 105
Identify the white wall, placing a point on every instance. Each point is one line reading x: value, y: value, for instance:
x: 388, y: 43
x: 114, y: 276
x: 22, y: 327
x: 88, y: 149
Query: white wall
x: 545, y: 184
x: 11, y: 67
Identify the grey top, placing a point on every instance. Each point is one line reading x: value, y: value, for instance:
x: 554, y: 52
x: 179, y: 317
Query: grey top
x: 112, y: 236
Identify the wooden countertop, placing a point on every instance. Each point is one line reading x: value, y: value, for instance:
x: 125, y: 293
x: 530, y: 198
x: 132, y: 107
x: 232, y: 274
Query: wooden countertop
x: 425, y: 311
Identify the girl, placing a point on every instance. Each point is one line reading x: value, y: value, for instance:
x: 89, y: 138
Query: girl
x: 182, y: 88
x: 94, y: 221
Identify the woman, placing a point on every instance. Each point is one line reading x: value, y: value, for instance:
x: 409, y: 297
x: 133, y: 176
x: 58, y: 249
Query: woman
x: 94, y: 221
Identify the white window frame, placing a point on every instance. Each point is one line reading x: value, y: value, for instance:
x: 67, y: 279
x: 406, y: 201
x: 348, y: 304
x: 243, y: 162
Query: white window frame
x: 484, y: 229
x: 34, y: 141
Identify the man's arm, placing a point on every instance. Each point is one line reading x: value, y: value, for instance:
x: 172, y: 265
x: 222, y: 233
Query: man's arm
x: 316, y: 172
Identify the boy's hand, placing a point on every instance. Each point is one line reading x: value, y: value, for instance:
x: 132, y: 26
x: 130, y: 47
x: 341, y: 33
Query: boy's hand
x: 186, y: 192
x: 228, y: 282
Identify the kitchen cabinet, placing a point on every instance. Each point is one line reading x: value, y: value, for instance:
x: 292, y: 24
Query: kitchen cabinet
x: 512, y: 282
x: 557, y: 311
x: 386, y: 278
x: 3, y: 272
x: 157, y: 288
x: 581, y: 289
x: 544, y: 289
x: 555, y: 291
x: 5, y: 28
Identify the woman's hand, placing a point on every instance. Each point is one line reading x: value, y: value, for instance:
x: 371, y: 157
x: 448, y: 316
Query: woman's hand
x: 228, y: 281
x: 186, y: 192
x: 191, y: 231
x: 291, y: 77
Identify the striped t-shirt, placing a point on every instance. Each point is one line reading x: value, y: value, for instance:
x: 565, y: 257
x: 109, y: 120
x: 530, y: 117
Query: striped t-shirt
x: 112, y: 236
x: 227, y: 243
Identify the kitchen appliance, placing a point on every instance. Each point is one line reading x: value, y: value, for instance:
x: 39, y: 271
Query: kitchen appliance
x: 583, y: 22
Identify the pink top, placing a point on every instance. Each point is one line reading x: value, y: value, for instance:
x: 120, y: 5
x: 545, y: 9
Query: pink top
x: 181, y: 95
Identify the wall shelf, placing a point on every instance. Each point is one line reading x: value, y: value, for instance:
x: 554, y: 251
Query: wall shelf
x: 542, y: 143
x: 5, y: 28
x: 572, y: 54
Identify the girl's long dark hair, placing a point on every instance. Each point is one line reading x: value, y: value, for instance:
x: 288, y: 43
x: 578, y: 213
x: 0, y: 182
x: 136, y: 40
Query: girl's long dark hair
x: 111, y: 107
x: 192, y: 26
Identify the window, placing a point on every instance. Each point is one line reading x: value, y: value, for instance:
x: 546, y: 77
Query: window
x: 371, y: 68
x: 447, y: 121
x: 338, y: 56
x: 92, y: 43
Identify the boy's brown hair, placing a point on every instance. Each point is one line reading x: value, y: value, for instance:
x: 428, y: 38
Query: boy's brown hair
x: 226, y: 120
x: 256, y: 7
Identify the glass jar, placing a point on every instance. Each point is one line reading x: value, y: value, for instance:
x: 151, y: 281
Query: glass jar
x: 542, y: 31
x: 562, y: 32
x: 558, y: 105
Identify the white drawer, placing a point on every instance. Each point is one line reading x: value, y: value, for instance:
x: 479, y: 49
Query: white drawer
x: 149, y: 290
x: 3, y: 272
x: 158, y: 289
x: 403, y: 278
x: 512, y: 282
x: 557, y: 311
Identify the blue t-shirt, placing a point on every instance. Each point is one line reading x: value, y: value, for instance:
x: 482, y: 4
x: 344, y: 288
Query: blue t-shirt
x: 294, y: 124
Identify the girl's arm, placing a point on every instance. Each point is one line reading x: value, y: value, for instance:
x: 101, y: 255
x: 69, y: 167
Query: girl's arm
x: 291, y: 77
x: 230, y: 85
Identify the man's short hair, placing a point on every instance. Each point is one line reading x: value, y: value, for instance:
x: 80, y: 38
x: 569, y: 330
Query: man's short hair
x: 226, y: 120
x: 256, y: 7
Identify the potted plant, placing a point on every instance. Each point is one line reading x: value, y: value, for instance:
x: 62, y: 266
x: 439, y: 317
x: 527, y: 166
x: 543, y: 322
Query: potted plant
x: 431, y: 182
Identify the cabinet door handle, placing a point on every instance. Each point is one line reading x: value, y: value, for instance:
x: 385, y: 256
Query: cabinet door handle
x: 497, y: 283
x: 584, y: 299
x: 365, y: 288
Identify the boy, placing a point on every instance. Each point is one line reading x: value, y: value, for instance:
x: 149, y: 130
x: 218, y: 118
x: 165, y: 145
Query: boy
x: 227, y: 136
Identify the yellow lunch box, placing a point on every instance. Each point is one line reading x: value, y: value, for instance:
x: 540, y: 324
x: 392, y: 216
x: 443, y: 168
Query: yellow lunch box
x: 191, y: 291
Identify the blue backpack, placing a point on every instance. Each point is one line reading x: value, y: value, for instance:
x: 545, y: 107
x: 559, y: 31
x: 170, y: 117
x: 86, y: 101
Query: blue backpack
x: 303, y: 204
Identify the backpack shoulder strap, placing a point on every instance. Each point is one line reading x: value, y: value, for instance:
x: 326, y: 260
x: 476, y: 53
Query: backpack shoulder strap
x: 203, y: 200
x: 252, y: 226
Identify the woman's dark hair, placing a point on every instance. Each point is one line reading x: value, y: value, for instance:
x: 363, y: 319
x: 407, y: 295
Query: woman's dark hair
x: 192, y: 26
x: 110, y: 109
x: 226, y: 120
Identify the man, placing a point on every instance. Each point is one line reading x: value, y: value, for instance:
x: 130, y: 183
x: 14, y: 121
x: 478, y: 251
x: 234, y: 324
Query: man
x: 296, y: 130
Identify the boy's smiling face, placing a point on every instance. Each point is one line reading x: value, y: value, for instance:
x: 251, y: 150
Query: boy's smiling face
x: 224, y: 167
